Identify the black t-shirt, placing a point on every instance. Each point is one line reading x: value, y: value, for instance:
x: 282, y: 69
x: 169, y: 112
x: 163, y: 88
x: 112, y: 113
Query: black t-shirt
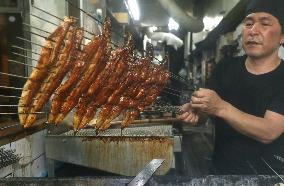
x: 235, y: 153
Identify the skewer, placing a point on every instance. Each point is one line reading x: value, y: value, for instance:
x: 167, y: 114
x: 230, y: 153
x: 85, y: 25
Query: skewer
x: 13, y: 75
x: 23, y: 39
x: 28, y: 50
x: 143, y: 121
x: 175, y: 109
x: 16, y: 106
x: 6, y: 96
x: 10, y: 126
x: 15, y: 113
x: 88, y: 14
x: 57, y: 24
x: 15, y: 88
x: 96, y: 19
x: 173, y: 90
x: 14, y: 61
x: 48, y: 13
x: 43, y: 19
x: 262, y: 159
x: 14, y: 97
x: 46, y: 38
x: 24, y: 56
x: 26, y: 24
x: 174, y: 76
x: 8, y: 105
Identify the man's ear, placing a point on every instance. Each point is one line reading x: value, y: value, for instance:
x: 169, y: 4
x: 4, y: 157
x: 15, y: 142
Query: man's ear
x: 282, y: 40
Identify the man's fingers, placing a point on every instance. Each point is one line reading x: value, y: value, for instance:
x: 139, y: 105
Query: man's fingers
x: 199, y: 93
x: 197, y: 106
x: 183, y: 116
x: 186, y: 107
x: 196, y: 100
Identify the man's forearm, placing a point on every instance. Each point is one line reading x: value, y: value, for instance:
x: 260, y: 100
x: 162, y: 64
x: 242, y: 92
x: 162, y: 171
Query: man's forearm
x: 258, y: 128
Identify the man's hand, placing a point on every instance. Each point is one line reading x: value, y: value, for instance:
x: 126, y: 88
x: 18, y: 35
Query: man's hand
x: 188, y: 114
x: 207, y: 101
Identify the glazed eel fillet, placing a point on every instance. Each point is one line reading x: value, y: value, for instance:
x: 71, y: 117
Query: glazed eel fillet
x: 96, y: 64
x: 120, y: 100
x: 59, y: 71
x: 78, y: 66
x: 47, y: 58
x: 103, y: 86
x: 145, y: 99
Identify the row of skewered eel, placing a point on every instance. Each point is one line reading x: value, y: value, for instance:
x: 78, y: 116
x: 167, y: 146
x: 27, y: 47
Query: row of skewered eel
x: 97, y: 80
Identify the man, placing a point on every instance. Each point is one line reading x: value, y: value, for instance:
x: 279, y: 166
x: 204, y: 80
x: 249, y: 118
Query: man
x: 246, y: 98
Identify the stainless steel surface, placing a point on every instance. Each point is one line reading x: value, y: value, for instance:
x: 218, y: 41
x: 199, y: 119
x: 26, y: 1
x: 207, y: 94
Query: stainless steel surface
x: 229, y: 180
x: 147, y: 172
x: 131, y: 131
x: 115, y: 151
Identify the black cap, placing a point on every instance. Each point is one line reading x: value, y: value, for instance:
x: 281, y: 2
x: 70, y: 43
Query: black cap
x: 273, y: 7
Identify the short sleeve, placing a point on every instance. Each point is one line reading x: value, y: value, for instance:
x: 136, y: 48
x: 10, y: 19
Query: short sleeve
x: 277, y: 102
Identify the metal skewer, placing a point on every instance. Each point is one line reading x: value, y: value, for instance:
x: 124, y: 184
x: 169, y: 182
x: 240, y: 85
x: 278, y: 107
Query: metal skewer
x: 46, y: 38
x: 10, y: 126
x: 15, y: 88
x: 174, y: 76
x: 13, y: 75
x: 262, y: 159
x: 6, y: 96
x: 23, y: 39
x: 14, y: 113
x: 28, y: 50
x: 55, y: 24
x: 14, y: 61
x: 24, y: 56
x: 26, y: 24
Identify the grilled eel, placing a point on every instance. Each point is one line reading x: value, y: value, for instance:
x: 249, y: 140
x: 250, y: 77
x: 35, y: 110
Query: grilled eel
x: 144, y: 101
x: 47, y: 58
x: 134, y: 100
x: 96, y: 64
x: 107, y: 87
x: 78, y: 67
x: 104, y: 84
x: 120, y: 100
x: 59, y: 71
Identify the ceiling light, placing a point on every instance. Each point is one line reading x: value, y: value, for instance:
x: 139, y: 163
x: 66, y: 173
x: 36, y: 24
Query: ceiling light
x: 133, y: 9
x: 173, y: 25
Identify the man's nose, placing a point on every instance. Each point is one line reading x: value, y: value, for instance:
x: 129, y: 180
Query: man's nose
x: 255, y: 28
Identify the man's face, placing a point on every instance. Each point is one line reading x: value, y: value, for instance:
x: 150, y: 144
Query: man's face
x: 261, y: 35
